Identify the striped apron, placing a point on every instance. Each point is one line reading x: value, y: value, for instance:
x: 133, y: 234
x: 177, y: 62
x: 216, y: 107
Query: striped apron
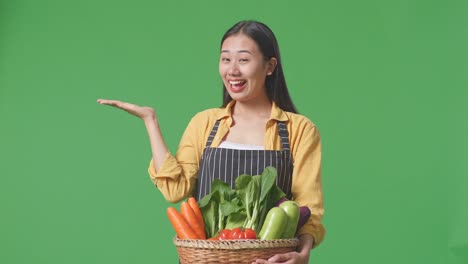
x: 226, y: 164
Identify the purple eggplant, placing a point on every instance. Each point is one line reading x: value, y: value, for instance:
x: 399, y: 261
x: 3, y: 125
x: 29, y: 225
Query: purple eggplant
x: 304, y: 213
x: 281, y: 201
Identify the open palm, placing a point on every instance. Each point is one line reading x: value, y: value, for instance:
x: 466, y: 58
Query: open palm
x: 143, y: 112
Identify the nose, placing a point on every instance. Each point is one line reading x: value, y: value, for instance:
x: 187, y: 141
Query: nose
x: 233, y: 69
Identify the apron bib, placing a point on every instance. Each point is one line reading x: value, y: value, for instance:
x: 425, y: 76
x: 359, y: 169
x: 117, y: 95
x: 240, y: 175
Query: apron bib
x: 226, y: 164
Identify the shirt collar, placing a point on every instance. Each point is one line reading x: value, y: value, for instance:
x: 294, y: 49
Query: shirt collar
x: 276, y: 112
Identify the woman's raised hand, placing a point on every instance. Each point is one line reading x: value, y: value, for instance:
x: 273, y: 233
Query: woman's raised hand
x: 144, y: 112
x: 148, y: 115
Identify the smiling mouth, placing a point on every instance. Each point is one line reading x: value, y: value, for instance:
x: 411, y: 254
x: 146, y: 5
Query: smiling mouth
x: 237, y: 86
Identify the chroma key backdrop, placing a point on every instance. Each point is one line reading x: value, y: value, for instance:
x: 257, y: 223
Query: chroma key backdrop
x: 384, y: 81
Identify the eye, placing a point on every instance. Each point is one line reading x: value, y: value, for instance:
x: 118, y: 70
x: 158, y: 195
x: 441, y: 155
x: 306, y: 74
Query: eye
x: 243, y: 60
x: 225, y: 60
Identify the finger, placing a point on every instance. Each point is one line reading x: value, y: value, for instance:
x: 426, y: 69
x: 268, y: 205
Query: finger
x: 118, y: 104
x: 279, y: 258
x: 260, y: 261
x: 108, y: 102
x: 100, y: 100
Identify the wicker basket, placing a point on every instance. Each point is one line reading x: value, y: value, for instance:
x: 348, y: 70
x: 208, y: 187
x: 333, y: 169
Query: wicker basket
x: 231, y: 251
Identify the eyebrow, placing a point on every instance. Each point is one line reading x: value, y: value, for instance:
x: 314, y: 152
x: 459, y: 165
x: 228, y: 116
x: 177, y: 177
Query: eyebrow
x: 240, y: 51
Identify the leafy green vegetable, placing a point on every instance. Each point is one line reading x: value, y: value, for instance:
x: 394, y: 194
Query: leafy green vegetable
x: 235, y: 220
x: 245, y: 206
x: 217, y: 206
x: 209, y: 208
x: 268, y: 180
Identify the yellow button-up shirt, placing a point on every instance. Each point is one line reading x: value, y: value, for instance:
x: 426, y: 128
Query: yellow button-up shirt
x: 177, y: 176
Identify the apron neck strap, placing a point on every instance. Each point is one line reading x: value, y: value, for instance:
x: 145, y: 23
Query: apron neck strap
x: 284, y: 134
x: 212, y: 133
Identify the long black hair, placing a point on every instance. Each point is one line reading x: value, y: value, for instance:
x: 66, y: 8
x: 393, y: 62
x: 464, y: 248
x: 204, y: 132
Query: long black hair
x: 275, y: 83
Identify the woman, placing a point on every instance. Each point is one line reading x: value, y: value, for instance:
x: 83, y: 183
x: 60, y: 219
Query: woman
x: 257, y: 126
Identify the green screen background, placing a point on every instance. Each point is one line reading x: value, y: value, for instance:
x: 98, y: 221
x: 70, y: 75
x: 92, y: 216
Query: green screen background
x: 385, y: 82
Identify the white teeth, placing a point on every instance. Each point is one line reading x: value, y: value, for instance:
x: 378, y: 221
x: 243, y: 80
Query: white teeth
x: 235, y: 82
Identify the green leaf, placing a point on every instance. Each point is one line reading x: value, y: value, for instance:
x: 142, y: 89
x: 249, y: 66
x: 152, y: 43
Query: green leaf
x: 276, y: 194
x: 210, y: 218
x: 228, y: 208
x: 268, y: 179
x: 205, y: 200
x: 235, y: 220
x: 220, y: 186
x: 242, y: 181
x: 254, y: 188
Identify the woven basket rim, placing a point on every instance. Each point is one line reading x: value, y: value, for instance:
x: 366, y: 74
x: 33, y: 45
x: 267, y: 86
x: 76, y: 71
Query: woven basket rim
x: 236, y: 244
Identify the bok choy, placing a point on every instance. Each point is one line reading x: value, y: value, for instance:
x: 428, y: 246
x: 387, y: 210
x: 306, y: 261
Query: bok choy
x: 245, y: 206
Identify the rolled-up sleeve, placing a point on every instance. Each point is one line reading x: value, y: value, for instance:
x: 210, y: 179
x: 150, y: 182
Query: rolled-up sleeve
x: 307, y: 177
x: 177, y: 175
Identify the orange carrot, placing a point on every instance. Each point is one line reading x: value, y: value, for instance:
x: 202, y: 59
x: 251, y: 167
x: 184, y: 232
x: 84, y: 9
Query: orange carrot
x: 192, y: 220
x: 182, y: 228
x: 193, y: 203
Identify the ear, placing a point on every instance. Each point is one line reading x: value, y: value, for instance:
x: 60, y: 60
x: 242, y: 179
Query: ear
x: 271, y: 65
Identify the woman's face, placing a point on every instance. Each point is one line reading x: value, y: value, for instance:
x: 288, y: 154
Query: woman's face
x: 243, y: 68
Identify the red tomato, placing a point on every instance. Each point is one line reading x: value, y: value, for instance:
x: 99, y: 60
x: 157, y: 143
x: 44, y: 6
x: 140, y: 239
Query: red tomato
x: 225, y: 234
x: 243, y: 233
